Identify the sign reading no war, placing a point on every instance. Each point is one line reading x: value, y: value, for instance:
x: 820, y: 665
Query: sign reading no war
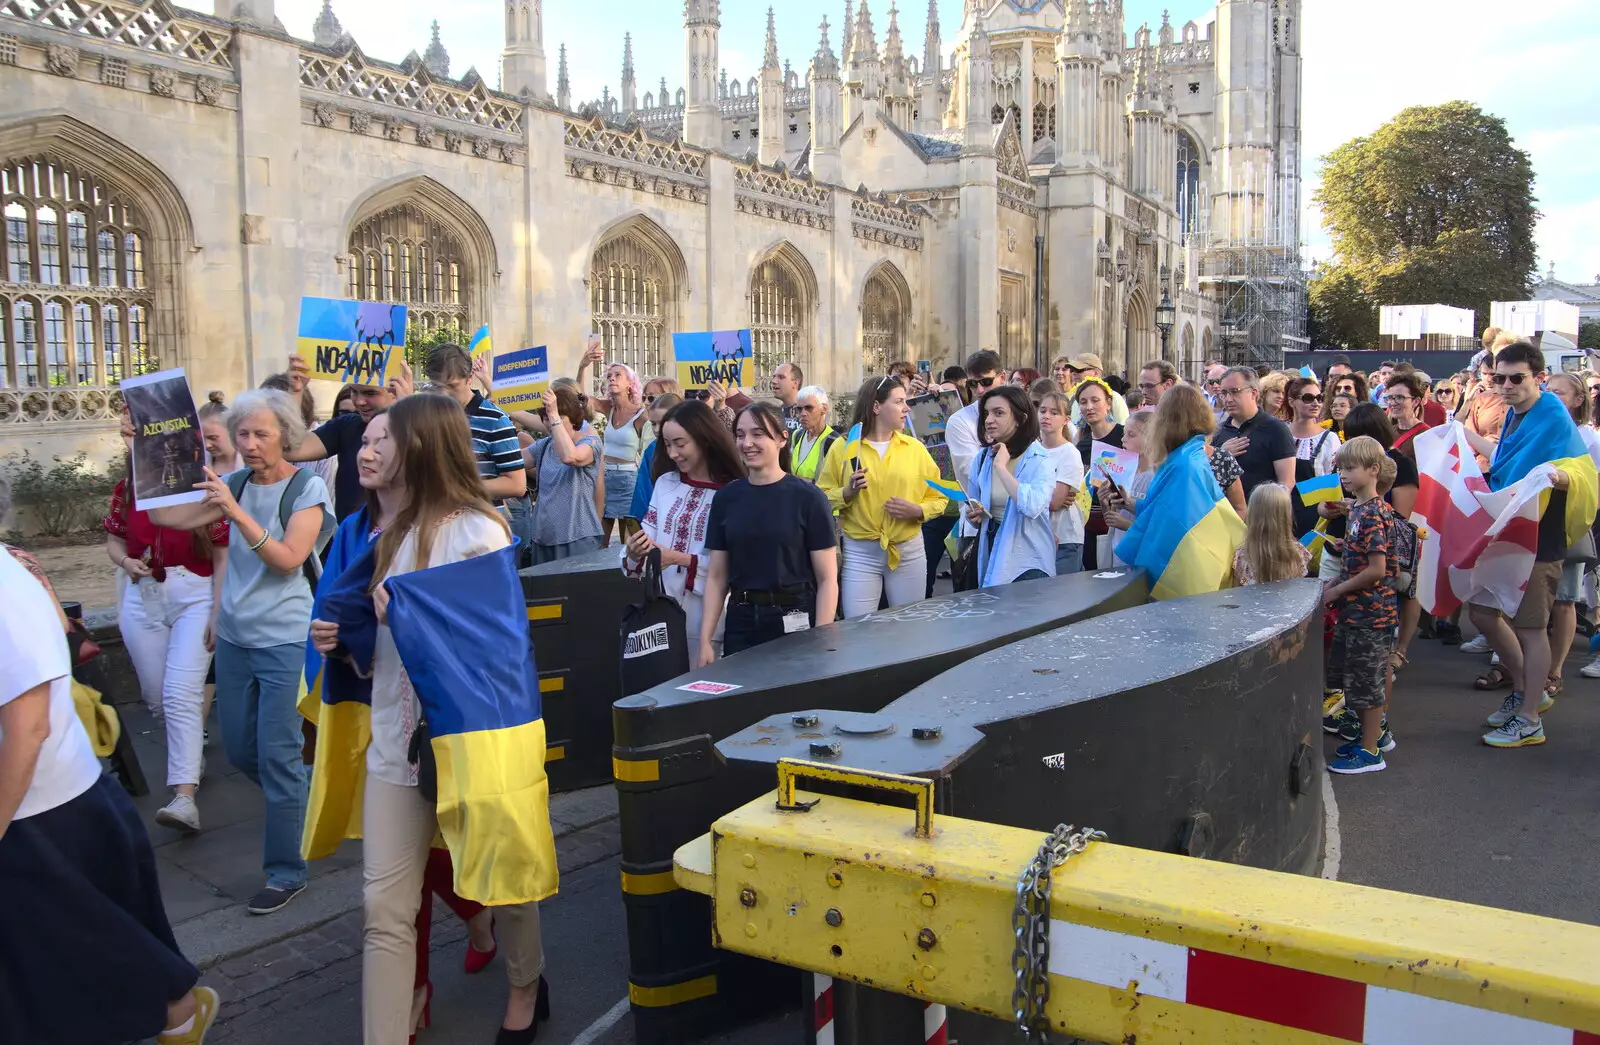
x: 521, y: 379
x: 352, y: 342
x: 723, y: 356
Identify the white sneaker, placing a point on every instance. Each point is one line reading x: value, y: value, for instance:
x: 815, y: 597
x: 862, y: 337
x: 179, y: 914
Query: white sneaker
x: 180, y: 814
x: 1591, y: 670
x: 1476, y: 644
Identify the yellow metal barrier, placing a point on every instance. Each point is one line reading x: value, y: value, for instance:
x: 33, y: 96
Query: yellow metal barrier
x: 1144, y: 947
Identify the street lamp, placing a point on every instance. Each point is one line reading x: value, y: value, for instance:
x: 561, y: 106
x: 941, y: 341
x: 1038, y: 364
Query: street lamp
x: 1165, y: 314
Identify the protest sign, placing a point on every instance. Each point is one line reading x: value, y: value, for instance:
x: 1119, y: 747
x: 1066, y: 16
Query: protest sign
x: 1113, y: 463
x: 352, y: 342
x: 724, y: 356
x: 168, y: 454
x: 930, y: 414
x: 521, y: 379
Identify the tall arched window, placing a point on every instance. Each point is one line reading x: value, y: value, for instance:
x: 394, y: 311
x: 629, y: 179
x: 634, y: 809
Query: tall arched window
x: 633, y: 293
x: 388, y: 262
x: 884, y: 304
x: 74, y: 278
x: 1188, y: 184
x: 779, y: 304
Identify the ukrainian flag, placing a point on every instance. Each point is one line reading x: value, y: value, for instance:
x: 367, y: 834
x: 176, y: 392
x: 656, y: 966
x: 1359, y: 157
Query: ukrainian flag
x: 1320, y: 488
x: 852, y: 442
x: 336, y: 695
x: 948, y: 487
x: 1546, y: 435
x: 1186, y: 531
x: 462, y: 633
x: 480, y: 345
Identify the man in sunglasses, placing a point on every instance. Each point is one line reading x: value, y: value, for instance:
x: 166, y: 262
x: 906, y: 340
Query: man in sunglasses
x: 1521, y: 638
x: 1213, y: 385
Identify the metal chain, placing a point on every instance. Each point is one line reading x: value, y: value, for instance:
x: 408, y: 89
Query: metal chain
x: 1030, y: 922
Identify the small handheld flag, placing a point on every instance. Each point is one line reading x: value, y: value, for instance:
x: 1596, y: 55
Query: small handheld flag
x: 480, y: 344
x: 948, y: 488
x: 852, y: 444
x: 1319, y: 489
x: 1310, y: 539
x: 1307, y: 372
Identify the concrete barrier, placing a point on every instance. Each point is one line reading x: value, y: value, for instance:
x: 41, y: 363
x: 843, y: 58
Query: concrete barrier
x: 671, y: 786
x: 575, y: 608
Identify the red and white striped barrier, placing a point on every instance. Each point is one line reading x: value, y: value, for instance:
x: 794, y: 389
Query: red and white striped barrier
x: 1343, y: 1009
x: 935, y: 1018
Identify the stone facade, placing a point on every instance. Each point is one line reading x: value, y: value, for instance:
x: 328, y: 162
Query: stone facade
x: 174, y: 182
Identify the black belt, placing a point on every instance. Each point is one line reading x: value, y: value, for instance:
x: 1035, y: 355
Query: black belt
x: 797, y: 596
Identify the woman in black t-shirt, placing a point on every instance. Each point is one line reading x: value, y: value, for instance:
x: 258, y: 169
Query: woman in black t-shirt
x: 774, y: 554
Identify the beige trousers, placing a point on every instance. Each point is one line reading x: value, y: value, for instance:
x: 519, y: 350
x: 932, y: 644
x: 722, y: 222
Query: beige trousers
x: 399, y: 826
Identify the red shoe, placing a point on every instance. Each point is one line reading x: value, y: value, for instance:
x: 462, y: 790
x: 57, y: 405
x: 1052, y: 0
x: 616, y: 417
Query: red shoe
x: 477, y: 960
x: 426, y: 1019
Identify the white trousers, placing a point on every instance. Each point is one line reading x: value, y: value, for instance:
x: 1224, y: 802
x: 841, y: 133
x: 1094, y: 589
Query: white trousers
x: 164, y: 626
x: 866, y: 577
x: 398, y: 828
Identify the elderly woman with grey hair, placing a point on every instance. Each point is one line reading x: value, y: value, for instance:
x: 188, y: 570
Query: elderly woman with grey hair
x: 278, y: 517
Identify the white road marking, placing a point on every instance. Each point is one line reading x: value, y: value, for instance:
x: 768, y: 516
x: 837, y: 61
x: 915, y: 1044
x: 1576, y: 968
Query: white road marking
x: 1330, y: 830
x: 591, y: 1034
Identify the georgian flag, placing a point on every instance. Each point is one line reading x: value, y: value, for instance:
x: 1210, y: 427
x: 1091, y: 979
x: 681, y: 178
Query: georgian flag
x: 1479, y: 544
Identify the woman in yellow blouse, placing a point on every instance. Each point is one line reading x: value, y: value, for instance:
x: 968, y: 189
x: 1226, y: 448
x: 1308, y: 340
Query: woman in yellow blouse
x: 879, y: 488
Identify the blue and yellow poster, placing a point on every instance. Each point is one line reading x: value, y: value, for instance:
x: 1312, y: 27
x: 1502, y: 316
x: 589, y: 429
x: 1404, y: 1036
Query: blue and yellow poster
x: 521, y: 379
x: 352, y: 342
x: 723, y: 356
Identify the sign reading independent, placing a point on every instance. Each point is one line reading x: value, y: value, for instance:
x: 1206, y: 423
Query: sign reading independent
x: 521, y: 378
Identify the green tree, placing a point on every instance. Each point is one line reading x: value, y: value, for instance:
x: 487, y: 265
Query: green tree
x: 1437, y: 205
x: 1342, y: 315
x: 1589, y: 334
x: 418, y: 342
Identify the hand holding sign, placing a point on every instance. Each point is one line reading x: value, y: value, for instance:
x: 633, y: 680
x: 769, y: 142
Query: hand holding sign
x: 521, y: 379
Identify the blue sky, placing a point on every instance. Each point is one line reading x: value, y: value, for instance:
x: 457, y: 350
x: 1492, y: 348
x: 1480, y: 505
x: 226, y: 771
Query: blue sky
x: 1364, y: 61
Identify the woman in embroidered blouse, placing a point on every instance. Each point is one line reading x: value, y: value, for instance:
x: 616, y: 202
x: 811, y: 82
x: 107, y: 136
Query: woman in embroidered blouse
x: 696, y: 458
x: 168, y: 615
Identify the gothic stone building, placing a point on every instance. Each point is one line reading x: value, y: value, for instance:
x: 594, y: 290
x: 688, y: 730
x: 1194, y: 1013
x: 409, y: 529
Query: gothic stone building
x: 174, y: 181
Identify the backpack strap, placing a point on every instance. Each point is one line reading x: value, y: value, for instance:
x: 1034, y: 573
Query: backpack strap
x: 236, y: 481
x: 312, y: 567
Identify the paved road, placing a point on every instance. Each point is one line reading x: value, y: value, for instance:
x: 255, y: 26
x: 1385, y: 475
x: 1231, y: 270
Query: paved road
x: 1450, y: 818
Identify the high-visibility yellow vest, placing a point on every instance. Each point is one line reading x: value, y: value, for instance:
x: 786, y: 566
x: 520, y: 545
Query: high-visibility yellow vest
x: 809, y: 468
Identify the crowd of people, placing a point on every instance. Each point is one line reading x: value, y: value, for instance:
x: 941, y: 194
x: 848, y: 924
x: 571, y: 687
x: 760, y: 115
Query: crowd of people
x: 764, y: 517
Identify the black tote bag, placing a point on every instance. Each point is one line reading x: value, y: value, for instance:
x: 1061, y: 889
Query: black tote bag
x: 655, y: 644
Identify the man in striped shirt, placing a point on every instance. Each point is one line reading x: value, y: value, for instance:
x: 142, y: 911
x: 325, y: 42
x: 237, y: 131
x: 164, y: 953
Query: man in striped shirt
x: 494, y: 437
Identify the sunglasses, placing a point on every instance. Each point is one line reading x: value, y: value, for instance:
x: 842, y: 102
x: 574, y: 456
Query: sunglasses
x: 1311, y: 397
x: 1444, y: 393
x: 983, y: 382
x: 1515, y: 379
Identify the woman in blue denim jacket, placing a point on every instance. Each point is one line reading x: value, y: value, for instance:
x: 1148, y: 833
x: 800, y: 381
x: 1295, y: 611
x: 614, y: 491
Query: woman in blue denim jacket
x: 1008, y: 492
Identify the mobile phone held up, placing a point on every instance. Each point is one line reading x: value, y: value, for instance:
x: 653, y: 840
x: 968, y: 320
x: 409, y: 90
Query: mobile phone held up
x: 925, y: 367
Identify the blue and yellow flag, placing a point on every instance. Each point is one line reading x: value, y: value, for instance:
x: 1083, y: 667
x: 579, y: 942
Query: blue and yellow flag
x: 948, y: 487
x: 1186, y: 531
x: 1545, y: 435
x: 462, y: 633
x: 336, y: 693
x: 852, y: 442
x: 480, y: 345
x: 1320, y: 488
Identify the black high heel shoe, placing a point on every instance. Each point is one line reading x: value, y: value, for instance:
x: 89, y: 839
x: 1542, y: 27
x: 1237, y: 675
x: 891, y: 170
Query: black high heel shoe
x: 541, y: 1011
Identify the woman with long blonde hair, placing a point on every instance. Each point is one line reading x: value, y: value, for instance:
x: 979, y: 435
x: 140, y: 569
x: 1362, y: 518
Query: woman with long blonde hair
x: 1189, y: 414
x: 1270, y: 552
x: 443, y: 517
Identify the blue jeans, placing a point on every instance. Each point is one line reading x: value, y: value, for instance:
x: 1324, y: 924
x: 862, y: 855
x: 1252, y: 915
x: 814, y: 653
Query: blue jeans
x: 1069, y: 559
x: 1032, y: 575
x: 256, y: 694
x: 520, y: 509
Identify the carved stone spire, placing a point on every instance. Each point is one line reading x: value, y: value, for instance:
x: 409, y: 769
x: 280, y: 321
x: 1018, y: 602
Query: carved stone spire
x: 770, y: 59
x: 630, y: 83
x: 702, y: 115
x: 436, y: 58
x: 1166, y: 27
x: 326, y: 30
x: 826, y: 107
x: 978, y: 127
x: 522, y: 68
x: 563, y: 81
x: 893, y: 50
x: 932, y: 49
x: 845, y: 29
x: 664, y: 99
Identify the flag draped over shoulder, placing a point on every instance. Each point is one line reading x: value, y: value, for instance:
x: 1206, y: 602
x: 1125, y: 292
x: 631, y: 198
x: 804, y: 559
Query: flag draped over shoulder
x: 336, y: 693
x: 1186, y: 531
x: 1481, y: 534
x: 462, y: 633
